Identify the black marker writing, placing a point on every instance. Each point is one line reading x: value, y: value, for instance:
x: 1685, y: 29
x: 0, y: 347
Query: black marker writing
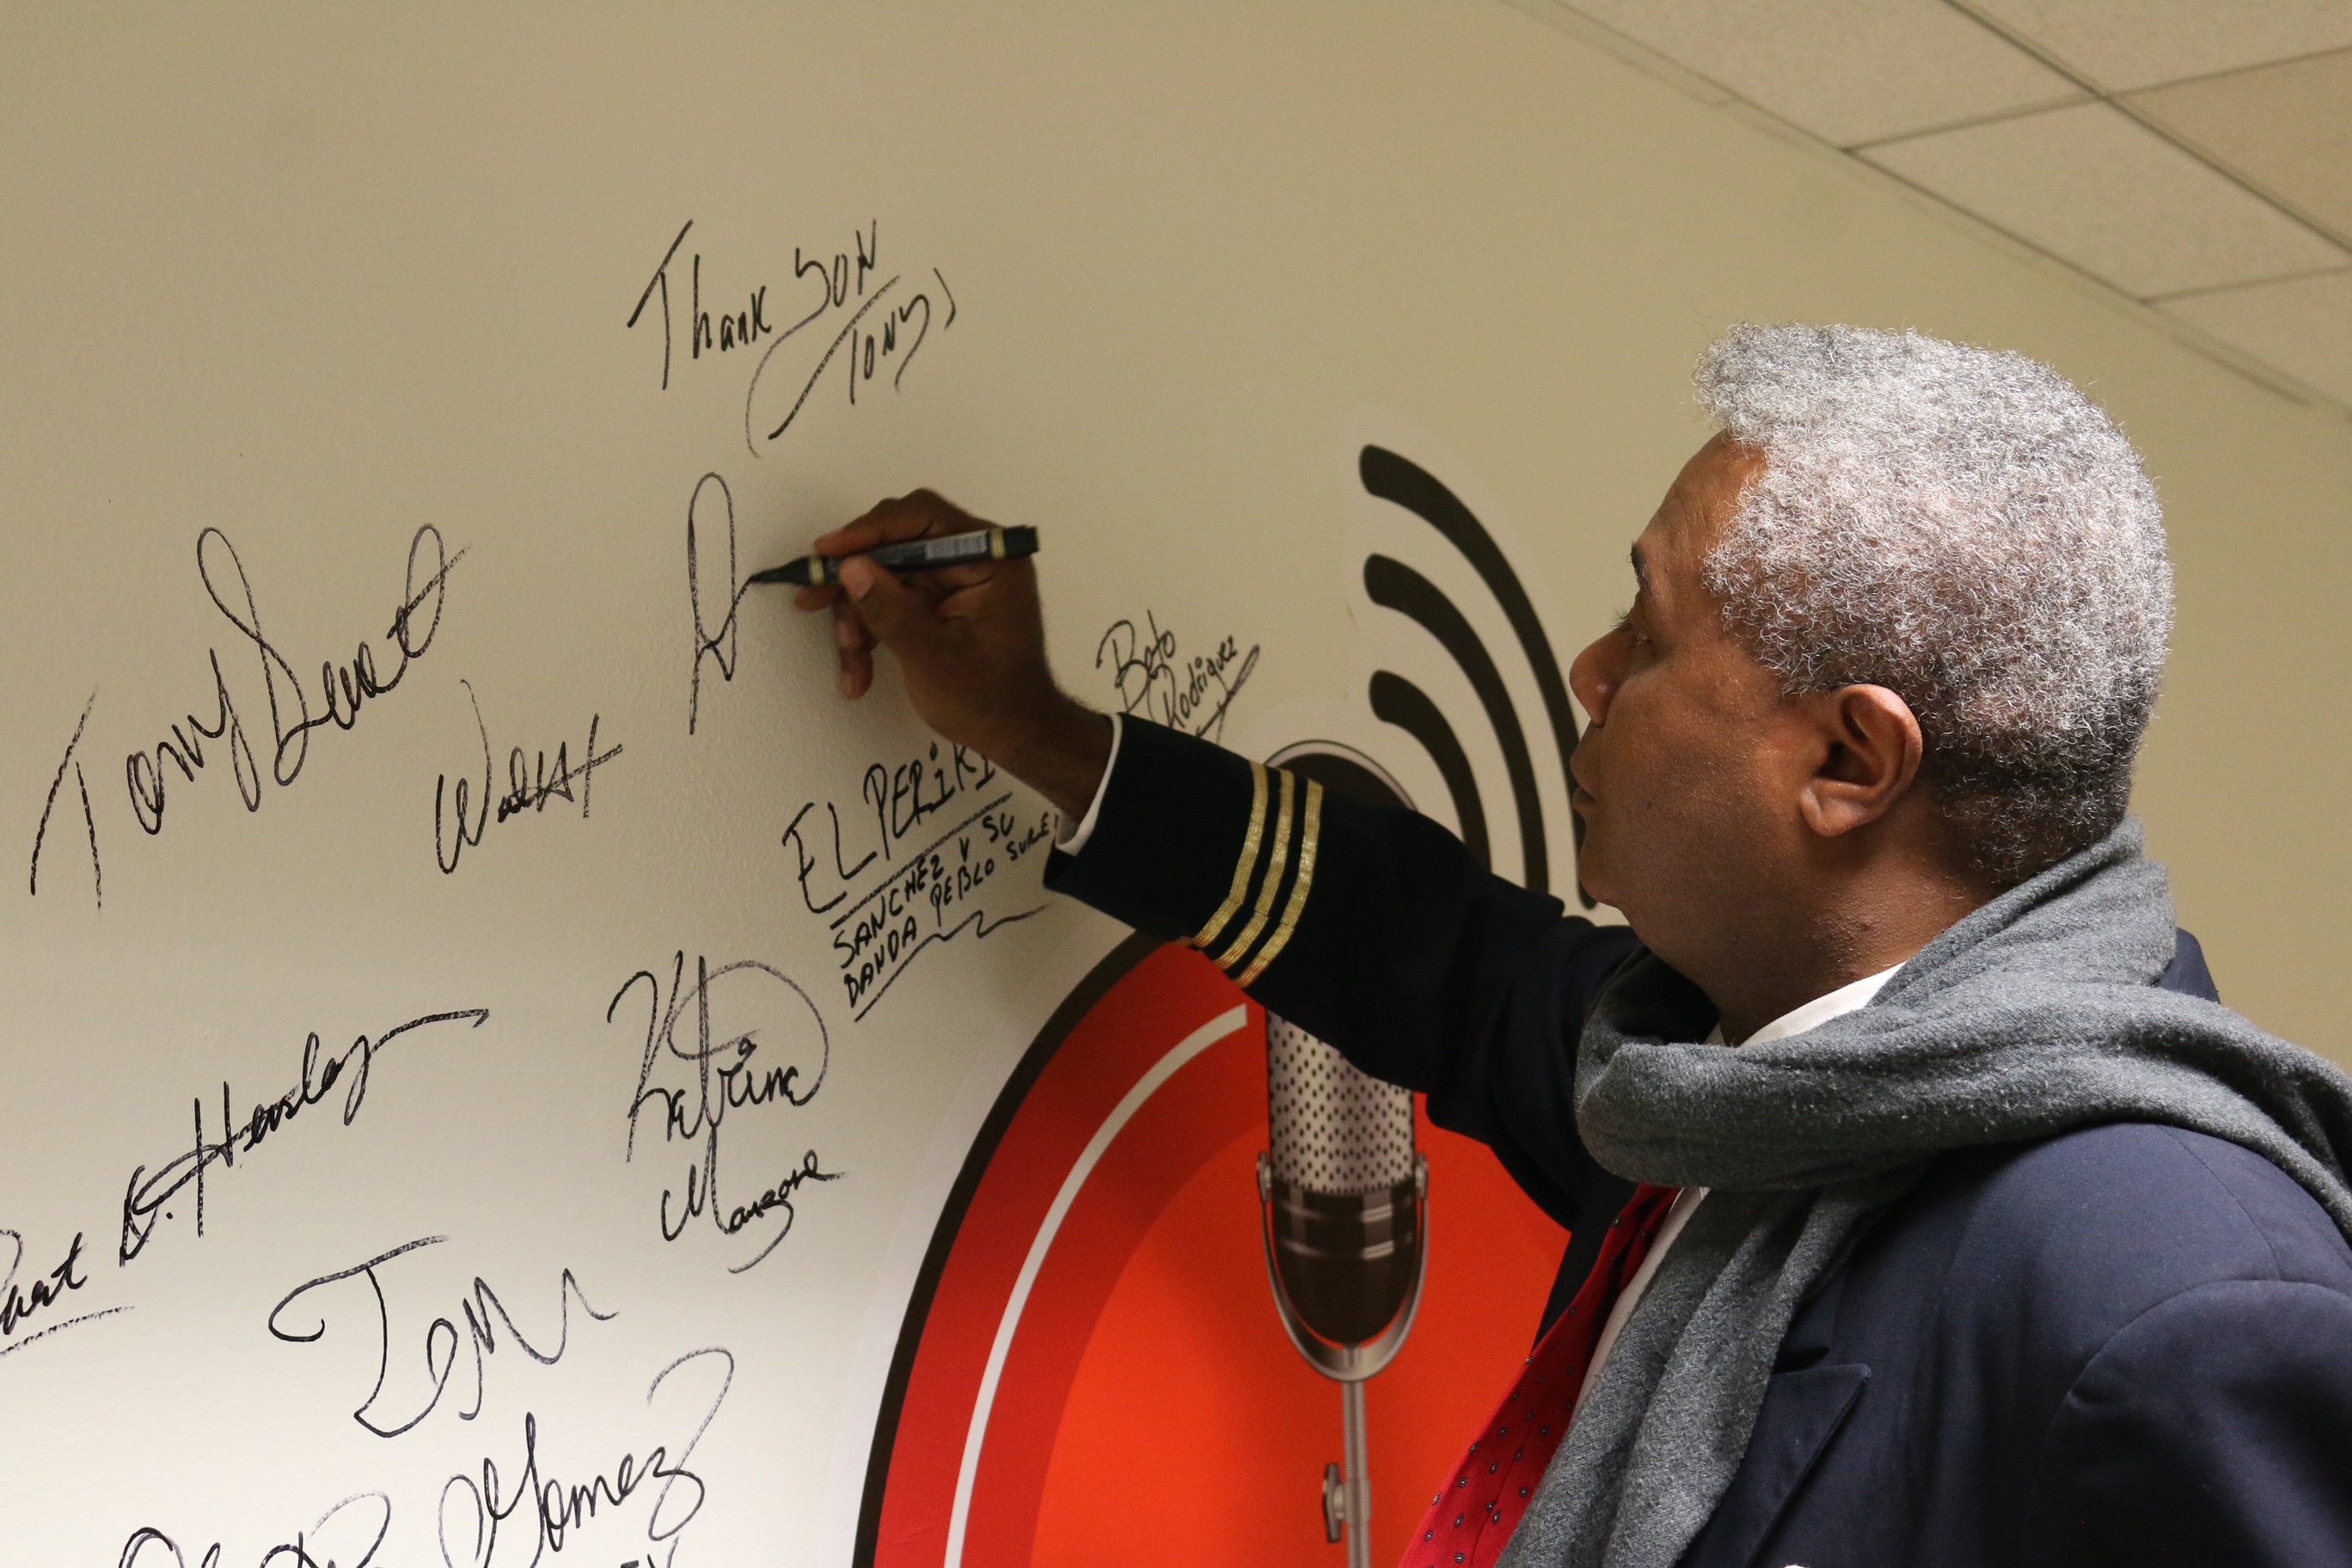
x: 144, y: 1195
x: 530, y: 786
x: 717, y: 645
x: 558, y: 1507
x: 738, y: 330
x: 729, y: 331
x: 796, y: 838
x: 918, y: 899
x: 731, y: 1076
x: 886, y: 329
x: 661, y: 280
x: 343, y: 690
x: 779, y: 1197
x: 442, y: 1339
x: 874, y: 939
x: 19, y: 1304
x: 329, y: 1543
x: 1192, y: 696
x: 81, y: 787
x: 901, y: 796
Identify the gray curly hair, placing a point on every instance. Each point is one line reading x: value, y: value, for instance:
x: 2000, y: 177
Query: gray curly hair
x: 1965, y: 528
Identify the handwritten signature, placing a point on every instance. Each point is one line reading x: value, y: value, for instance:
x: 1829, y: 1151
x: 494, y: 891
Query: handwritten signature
x: 341, y: 694
x: 558, y: 1507
x: 532, y: 1512
x: 902, y: 797
x: 144, y: 1195
x: 731, y: 1075
x: 530, y: 786
x: 716, y: 644
x: 328, y: 1544
x: 20, y: 1304
x: 736, y: 329
x: 442, y: 1340
x: 1189, y: 693
x: 878, y: 935
x: 882, y: 323
x: 877, y: 938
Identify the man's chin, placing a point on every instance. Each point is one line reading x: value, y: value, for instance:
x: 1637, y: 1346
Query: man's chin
x: 1592, y: 872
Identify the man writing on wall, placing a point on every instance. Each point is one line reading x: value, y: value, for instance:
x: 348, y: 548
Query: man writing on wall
x: 1925, y: 1209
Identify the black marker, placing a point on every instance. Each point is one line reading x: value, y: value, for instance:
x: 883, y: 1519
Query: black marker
x: 910, y: 555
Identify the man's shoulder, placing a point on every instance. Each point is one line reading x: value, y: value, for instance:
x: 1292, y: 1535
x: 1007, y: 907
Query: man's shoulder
x: 2136, y: 1200
x: 2011, y: 1273
x: 2143, y: 1284
x: 2047, y: 1250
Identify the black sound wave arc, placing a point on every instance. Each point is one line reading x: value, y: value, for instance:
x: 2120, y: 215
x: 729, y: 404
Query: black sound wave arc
x: 1393, y: 586
x: 1396, y: 701
x: 1396, y: 479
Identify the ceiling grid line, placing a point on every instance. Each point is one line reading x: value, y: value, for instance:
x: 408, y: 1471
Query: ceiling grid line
x: 2252, y: 283
x: 2148, y: 122
x: 2193, y: 166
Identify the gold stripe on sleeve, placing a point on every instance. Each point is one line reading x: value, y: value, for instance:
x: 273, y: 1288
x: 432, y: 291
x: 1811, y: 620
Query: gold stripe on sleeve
x: 1298, y: 904
x: 1275, y: 861
x: 996, y: 544
x: 1248, y: 861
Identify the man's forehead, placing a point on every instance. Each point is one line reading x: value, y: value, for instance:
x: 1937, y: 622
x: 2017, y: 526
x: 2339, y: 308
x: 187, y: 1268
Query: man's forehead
x: 1693, y: 511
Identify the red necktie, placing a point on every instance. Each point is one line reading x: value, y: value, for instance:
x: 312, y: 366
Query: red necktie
x: 1471, y: 1520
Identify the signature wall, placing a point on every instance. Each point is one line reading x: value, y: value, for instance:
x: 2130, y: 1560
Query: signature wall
x: 490, y: 1039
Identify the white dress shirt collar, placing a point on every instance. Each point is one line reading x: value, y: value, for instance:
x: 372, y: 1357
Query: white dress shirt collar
x: 1819, y: 1011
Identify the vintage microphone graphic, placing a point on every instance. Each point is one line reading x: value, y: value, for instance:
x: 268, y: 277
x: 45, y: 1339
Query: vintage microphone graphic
x: 1345, y: 1198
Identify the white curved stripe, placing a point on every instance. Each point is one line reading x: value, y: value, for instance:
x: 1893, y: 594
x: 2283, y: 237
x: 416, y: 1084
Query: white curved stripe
x: 1193, y: 1044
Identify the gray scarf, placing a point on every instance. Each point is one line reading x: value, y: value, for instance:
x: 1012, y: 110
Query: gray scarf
x: 2035, y: 1014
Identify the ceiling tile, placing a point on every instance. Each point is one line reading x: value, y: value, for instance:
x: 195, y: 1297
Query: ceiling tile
x: 2125, y: 44
x: 2303, y: 326
x: 2092, y: 187
x: 2287, y: 127
x: 1847, y: 71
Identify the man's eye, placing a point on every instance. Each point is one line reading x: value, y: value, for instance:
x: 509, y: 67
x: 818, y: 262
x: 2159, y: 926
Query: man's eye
x: 1633, y: 632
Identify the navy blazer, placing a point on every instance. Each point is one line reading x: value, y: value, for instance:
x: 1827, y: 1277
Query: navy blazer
x: 2128, y: 1345
x: 2131, y: 1344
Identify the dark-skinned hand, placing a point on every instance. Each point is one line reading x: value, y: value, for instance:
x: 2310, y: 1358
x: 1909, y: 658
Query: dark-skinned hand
x: 971, y: 643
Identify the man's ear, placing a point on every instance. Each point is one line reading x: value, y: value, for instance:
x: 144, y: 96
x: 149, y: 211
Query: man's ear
x: 1870, y: 749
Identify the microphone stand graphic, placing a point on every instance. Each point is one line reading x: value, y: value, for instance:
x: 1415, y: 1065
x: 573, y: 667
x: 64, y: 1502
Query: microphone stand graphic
x: 1344, y: 1197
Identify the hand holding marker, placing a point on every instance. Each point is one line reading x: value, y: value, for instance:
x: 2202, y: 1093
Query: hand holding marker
x: 910, y: 555
x: 970, y: 639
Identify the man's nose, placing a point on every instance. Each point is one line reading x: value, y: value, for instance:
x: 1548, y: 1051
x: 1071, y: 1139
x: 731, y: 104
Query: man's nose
x: 1593, y: 679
